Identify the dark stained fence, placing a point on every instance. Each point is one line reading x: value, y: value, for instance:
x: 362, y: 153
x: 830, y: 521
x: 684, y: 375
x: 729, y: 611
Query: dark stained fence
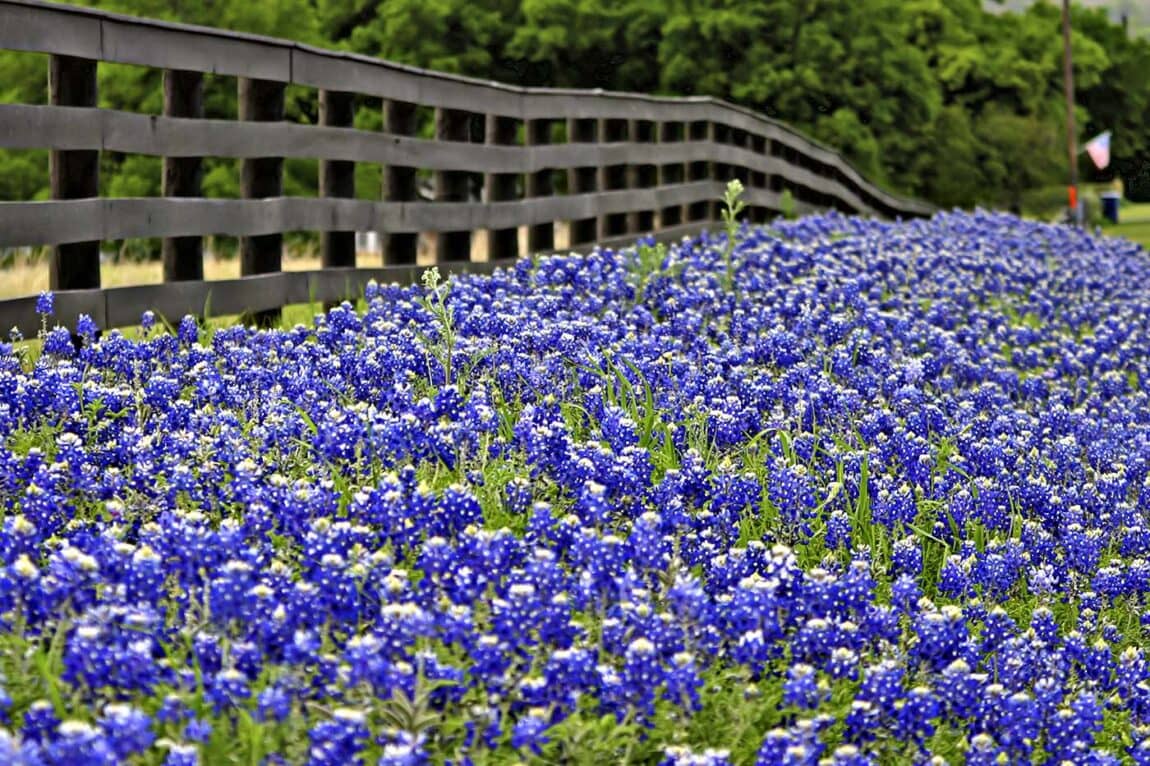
x: 634, y: 163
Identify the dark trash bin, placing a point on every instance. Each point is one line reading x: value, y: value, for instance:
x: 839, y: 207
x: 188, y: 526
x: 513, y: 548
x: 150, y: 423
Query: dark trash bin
x: 1110, y: 206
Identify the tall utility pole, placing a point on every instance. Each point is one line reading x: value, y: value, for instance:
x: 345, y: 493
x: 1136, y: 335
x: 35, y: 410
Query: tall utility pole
x: 1071, y: 137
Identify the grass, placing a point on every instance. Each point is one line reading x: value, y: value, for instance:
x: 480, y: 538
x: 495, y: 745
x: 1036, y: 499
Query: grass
x: 29, y: 276
x: 1134, y: 211
x: 1133, y: 223
x: 1138, y: 231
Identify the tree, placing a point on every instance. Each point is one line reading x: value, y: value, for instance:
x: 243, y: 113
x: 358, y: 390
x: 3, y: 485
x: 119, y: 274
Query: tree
x: 1119, y: 102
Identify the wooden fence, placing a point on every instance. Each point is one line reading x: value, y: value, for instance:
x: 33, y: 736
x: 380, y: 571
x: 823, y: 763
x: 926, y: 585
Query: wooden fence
x: 634, y: 164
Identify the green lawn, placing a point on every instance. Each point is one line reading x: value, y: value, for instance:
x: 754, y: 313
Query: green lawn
x: 1138, y: 231
x: 1134, y: 223
x: 1134, y: 211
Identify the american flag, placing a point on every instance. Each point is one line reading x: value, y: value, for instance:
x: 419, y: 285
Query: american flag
x: 1099, y: 149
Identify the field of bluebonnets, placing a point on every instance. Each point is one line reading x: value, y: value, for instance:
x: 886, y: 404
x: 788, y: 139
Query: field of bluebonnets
x: 833, y: 491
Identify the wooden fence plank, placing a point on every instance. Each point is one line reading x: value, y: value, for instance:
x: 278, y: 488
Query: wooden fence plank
x: 28, y: 127
x: 42, y: 29
x: 23, y: 223
x: 253, y: 295
x: 23, y: 127
x: 673, y: 234
x: 261, y: 291
x: 370, y: 76
x: 127, y: 41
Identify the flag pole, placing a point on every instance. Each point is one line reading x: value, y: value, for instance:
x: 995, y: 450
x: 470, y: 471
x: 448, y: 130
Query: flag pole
x: 1068, y: 85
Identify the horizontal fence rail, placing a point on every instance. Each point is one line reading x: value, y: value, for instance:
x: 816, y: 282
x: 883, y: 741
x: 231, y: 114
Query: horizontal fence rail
x: 108, y: 219
x: 633, y: 164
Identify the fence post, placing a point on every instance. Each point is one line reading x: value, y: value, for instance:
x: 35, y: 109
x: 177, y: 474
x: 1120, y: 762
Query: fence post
x: 500, y: 187
x: 705, y: 171
x: 261, y: 177
x: 758, y: 213
x: 668, y: 175
x: 742, y: 140
x: 337, y: 178
x: 540, y: 236
x: 399, y: 185
x: 451, y: 186
x: 633, y: 180
x: 611, y: 177
x: 581, y: 180
x: 774, y: 180
x: 75, y: 174
x: 183, y: 97
x: 647, y: 175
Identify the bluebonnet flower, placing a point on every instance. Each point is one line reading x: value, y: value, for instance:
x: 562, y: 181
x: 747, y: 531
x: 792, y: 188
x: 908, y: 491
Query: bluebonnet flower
x: 86, y: 327
x: 404, y: 750
x: 916, y: 715
x: 188, y: 330
x: 16, y: 752
x: 838, y: 532
x: 45, y: 304
x: 984, y: 751
x: 40, y: 722
x: 530, y: 731
x: 643, y: 673
x: 849, y: 755
x: 683, y: 756
x: 905, y: 592
x: 78, y: 742
x: 801, y: 688
x: 227, y: 689
x: 338, y: 740
x: 266, y: 488
x: 197, y: 730
x: 907, y: 556
x: 182, y: 755
x: 128, y: 731
x: 58, y: 342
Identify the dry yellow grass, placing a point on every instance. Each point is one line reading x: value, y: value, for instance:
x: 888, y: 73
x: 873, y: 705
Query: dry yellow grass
x: 30, y: 276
